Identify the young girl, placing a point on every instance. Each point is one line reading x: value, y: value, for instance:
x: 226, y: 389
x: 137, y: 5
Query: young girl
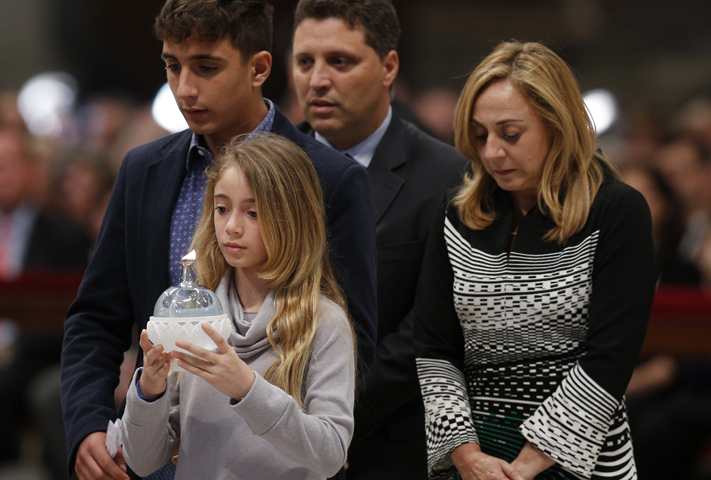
x: 276, y: 399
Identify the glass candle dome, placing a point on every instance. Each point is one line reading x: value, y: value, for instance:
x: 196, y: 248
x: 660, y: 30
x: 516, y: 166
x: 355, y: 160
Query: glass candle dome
x: 188, y: 298
x: 180, y: 311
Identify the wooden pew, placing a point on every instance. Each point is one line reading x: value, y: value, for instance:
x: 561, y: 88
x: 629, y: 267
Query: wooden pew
x: 38, y: 301
x: 680, y: 322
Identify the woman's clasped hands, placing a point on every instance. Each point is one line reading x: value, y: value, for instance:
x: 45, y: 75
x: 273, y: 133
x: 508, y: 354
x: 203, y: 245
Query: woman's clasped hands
x: 473, y: 464
x: 223, y: 369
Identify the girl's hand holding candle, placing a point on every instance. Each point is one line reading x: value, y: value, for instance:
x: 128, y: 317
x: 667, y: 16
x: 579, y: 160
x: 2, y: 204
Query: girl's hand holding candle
x: 222, y: 369
x: 156, y: 364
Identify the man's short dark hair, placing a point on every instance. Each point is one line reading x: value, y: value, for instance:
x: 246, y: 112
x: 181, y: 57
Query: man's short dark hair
x: 377, y: 18
x: 247, y: 23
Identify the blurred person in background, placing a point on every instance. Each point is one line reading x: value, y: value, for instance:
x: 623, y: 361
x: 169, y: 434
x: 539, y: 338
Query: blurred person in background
x: 44, y: 399
x: 435, y: 107
x: 289, y: 103
x: 669, y: 409
x: 102, y: 119
x: 703, y: 261
x: 667, y: 394
x: 694, y: 118
x: 9, y: 113
x: 402, y: 101
x: 31, y: 239
x: 345, y: 63
x: 83, y: 182
x: 686, y: 166
x: 140, y: 130
x: 642, y: 137
x: 667, y: 223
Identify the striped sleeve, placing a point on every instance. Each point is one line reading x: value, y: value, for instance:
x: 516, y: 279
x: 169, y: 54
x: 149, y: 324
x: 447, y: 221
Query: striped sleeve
x: 439, y: 350
x: 572, y: 424
x: 448, y: 418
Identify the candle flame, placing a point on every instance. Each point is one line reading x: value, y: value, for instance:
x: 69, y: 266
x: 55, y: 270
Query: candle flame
x: 190, y: 257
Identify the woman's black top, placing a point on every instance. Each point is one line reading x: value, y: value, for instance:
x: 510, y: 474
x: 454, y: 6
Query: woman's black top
x: 538, y: 345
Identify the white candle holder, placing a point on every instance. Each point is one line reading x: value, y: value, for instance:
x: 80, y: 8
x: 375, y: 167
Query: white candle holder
x: 182, y: 309
x: 167, y: 330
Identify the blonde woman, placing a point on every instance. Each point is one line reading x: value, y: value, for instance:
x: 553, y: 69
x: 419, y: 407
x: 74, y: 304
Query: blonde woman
x: 536, y: 287
x: 276, y: 399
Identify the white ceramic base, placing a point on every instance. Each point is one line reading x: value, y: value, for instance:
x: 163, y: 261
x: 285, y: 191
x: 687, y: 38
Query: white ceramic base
x: 166, y: 330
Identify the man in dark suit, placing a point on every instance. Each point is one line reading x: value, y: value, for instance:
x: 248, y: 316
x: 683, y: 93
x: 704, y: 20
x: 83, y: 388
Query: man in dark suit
x: 345, y: 61
x: 217, y: 57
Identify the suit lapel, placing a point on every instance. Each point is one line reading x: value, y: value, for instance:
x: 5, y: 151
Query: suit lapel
x: 390, y: 154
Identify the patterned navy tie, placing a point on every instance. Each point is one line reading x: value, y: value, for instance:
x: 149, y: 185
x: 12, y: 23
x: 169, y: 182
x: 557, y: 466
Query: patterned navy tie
x: 187, y: 212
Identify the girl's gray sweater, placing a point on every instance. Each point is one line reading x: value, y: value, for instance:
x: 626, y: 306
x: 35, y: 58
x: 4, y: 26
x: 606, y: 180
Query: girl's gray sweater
x: 265, y: 435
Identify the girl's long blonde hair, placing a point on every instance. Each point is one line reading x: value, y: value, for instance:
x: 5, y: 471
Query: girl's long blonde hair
x: 572, y: 172
x: 292, y: 221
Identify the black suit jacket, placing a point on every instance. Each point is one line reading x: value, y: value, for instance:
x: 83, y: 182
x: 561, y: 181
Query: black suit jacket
x: 409, y: 175
x: 129, y: 269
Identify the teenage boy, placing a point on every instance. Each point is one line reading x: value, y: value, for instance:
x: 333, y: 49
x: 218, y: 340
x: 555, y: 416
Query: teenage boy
x: 216, y: 54
x: 345, y: 61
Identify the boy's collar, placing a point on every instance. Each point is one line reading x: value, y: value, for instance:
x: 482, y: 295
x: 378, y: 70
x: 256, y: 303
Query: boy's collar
x: 198, y: 145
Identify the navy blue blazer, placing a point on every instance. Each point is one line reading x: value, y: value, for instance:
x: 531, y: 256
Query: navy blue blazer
x: 129, y: 269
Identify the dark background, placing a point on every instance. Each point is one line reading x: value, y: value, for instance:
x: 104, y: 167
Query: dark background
x: 646, y: 52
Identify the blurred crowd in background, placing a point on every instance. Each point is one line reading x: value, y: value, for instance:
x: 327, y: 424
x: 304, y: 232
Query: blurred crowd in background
x: 70, y: 175
x: 67, y: 178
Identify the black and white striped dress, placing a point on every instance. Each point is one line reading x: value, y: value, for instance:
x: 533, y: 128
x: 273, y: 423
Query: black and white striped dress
x: 537, y: 346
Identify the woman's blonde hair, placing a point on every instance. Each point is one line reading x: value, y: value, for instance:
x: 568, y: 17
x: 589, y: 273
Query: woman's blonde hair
x: 572, y: 172
x: 292, y: 221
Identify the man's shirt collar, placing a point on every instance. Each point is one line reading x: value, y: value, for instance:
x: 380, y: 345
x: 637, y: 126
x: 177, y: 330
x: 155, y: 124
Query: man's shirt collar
x: 364, y: 151
x: 196, y: 149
